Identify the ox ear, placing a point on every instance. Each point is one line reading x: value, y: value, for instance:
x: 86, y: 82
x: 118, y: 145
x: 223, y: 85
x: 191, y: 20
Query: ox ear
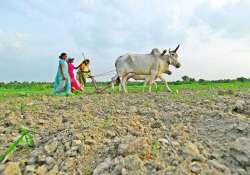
x: 176, y: 49
x: 164, y: 52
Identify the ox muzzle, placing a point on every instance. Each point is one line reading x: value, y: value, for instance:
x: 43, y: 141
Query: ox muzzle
x: 178, y: 65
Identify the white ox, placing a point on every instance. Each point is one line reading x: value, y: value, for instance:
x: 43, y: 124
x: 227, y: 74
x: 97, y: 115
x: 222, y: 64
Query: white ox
x: 152, y: 65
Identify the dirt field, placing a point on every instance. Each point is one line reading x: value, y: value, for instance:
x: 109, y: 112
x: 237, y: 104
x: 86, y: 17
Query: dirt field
x: 132, y: 134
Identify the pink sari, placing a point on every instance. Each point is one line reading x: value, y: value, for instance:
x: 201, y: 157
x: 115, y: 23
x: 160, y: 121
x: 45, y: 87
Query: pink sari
x: 74, y: 84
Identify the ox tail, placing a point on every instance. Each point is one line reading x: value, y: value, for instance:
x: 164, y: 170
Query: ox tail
x: 116, y: 80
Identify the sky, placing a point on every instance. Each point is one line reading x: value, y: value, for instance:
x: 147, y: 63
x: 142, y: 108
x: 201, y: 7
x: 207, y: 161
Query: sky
x: 214, y: 35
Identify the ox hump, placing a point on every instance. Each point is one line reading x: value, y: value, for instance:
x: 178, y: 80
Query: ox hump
x: 155, y: 51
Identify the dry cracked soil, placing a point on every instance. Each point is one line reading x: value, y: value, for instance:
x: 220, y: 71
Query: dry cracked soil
x: 129, y: 134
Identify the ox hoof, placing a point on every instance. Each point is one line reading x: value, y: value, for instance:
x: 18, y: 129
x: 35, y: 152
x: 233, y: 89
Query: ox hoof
x: 168, y: 90
x: 98, y: 91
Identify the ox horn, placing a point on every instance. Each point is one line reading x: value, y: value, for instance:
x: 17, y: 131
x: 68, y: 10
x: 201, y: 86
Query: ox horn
x: 176, y: 49
x: 164, y: 52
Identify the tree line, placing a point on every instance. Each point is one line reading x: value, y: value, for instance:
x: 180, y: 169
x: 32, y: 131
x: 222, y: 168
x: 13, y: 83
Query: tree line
x: 185, y: 80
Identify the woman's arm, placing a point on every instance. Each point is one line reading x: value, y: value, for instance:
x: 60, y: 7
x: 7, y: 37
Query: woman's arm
x: 61, y: 68
x: 77, y: 66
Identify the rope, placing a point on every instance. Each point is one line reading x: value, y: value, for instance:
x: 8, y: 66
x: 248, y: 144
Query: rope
x: 105, y: 74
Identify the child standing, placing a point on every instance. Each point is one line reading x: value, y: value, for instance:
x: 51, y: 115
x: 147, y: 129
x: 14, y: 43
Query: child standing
x: 71, y: 67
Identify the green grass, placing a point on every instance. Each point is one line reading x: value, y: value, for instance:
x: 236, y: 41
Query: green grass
x: 155, y: 148
x: 133, y: 87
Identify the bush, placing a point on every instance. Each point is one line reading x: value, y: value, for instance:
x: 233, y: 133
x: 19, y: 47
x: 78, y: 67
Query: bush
x: 201, y: 80
x: 188, y: 79
x: 242, y: 79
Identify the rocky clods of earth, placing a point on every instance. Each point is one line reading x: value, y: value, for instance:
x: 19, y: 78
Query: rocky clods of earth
x: 240, y: 151
x: 132, y: 134
x: 242, y: 107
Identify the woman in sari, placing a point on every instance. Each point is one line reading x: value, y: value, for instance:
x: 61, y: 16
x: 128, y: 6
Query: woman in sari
x: 62, y: 81
x: 71, y: 67
x: 84, y: 72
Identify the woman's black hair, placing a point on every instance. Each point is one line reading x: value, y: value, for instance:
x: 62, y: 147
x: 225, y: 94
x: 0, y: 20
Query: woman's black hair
x: 62, y: 54
x: 86, y: 61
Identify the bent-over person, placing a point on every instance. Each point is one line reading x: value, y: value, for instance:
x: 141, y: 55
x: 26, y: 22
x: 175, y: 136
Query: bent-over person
x: 84, y: 72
